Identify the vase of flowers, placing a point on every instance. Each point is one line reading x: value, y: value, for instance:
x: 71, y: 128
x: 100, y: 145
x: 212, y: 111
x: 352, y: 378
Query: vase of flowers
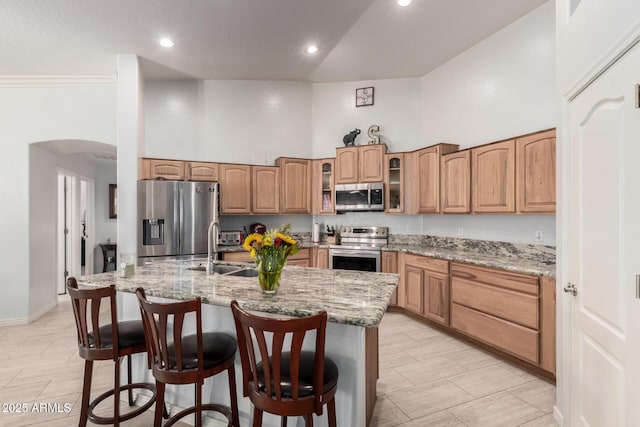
x: 271, y: 251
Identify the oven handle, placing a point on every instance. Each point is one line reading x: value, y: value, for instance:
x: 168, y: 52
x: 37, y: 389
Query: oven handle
x: 354, y: 253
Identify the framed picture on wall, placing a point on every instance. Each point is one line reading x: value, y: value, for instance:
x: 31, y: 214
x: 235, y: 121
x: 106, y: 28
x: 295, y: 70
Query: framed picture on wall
x: 364, y: 96
x: 113, y: 201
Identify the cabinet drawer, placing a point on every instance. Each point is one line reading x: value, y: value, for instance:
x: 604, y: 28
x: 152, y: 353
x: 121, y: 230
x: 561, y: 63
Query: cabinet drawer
x: 512, y: 338
x: 302, y: 254
x: 433, y: 264
x: 299, y: 262
x: 514, y: 306
x: 238, y: 256
x: 503, y: 279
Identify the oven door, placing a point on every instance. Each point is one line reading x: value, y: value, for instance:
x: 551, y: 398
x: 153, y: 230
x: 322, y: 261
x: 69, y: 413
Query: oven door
x: 354, y: 259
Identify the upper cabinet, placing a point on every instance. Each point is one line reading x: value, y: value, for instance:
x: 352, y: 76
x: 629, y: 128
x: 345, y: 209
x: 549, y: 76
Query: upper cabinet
x: 295, y: 185
x: 493, y: 177
x: 202, y: 171
x: 322, y: 174
x: 163, y: 169
x: 425, y: 177
x: 235, y: 189
x: 363, y: 163
x: 536, y: 173
x: 455, y: 182
x: 394, y: 169
x: 265, y: 189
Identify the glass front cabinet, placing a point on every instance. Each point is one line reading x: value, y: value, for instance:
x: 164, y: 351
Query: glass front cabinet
x: 394, y: 171
x: 322, y: 186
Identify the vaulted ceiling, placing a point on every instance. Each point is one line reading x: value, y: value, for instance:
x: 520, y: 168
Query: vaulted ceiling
x: 247, y: 39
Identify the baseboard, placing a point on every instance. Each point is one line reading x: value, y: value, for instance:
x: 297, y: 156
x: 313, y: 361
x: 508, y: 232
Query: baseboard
x: 32, y: 318
x: 558, y: 416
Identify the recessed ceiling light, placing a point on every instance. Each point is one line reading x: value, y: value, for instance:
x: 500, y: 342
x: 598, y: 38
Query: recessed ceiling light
x: 403, y: 3
x: 312, y: 49
x: 166, y: 42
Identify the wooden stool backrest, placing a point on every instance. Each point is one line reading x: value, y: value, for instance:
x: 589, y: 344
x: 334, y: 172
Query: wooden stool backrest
x: 249, y: 326
x: 91, y: 347
x: 156, y: 318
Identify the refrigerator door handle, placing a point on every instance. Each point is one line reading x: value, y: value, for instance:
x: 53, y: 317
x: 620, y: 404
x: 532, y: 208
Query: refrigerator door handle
x: 180, y: 219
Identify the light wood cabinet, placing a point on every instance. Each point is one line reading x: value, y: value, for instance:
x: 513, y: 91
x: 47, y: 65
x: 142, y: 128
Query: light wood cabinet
x: 202, y: 171
x: 394, y: 170
x: 455, y: 182
x: 301, y: 259
x: 424, y: 176
x: 390, y: 265
x: 347, y: 165
x: 536, y: 172
x: 371, y: 162
x: 242, y: 256
x: 498, y: 307
x: 235, y: 189
x: 164, y: 169
x: 322, y: 177
x: 265, y: 190
x: 295, y: 185
x: 427, y: 287
x: 493, y: 178
x: 363, y: 163
x: 320, y: 257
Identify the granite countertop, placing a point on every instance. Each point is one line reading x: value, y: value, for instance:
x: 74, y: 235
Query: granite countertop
x: 517, y: 265
x: 349, y: 297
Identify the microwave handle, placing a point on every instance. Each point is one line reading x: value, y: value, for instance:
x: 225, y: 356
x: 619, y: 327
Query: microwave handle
x: 369, y: 194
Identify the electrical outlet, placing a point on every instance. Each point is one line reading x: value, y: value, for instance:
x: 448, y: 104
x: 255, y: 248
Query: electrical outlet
x: 409, y: 227
x: 460, y: 231
x: 539, y: 236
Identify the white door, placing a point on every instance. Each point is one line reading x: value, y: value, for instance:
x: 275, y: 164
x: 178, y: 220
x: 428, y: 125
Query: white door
x: 604, y: 233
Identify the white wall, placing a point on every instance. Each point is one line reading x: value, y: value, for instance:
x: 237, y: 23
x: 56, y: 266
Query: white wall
x: 586, y: 36
x: 31, y: 114
x: 228, y: 121
x: 500, y: 88
x: 43, y: 208
x: 397, y: 110
x: 105, y: 227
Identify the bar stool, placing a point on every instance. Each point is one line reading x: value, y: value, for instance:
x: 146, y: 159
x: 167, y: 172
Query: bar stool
x: 110, y: 341
x: 289, y: 383
x: 189, y: 359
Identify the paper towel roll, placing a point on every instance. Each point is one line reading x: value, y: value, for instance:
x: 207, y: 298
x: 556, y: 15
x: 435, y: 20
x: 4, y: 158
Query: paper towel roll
x: 315, y: 234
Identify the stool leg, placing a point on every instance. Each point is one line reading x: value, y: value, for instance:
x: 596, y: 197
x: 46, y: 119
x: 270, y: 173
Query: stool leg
x: 283, y: 421
x: 198, y: 404
x: 257, y: 417
x: 331, y: 413
x: 116, y: 393
x: 160, y: 408
x: 86, y: 391
x: 234, y: 398
x: 129, y: 379
x: 309, y: 420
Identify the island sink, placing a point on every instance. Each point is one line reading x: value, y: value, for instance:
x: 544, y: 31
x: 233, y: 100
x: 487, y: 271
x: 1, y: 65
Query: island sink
x: 228, y: 270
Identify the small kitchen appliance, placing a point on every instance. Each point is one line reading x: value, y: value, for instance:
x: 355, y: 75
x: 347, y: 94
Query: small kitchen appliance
x: 230, y: 238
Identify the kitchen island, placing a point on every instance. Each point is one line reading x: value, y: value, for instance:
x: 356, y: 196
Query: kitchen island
x: 355, y: 303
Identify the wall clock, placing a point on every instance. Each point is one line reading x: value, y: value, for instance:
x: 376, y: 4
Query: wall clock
x: 364, y: 96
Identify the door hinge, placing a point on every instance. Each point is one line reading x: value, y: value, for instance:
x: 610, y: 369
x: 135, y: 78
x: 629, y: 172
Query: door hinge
x: 637, y: 95
x: 66, y: 273
x: 638, y: 286
x: 571, y: 289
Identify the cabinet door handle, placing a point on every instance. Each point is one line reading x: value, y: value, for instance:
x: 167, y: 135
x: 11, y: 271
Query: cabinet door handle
x: 571, y: 289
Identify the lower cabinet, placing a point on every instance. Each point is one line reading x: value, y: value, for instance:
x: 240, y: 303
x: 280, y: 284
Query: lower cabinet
x: 426, y: 287
x: 320, y: 258
x: 390, y: 265
x: 510, y: 311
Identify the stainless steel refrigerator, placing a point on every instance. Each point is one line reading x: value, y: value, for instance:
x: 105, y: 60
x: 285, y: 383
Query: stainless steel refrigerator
x: 174, y: 216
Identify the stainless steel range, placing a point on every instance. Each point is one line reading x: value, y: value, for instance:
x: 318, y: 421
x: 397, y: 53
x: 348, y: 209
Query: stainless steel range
x: 360, y: 248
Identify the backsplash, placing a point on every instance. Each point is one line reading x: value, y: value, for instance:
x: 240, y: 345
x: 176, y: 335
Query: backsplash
x: 539, y: 253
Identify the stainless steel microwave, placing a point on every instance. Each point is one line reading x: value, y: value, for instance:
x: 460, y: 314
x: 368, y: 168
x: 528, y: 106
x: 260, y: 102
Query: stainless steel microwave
x: 359, y: 197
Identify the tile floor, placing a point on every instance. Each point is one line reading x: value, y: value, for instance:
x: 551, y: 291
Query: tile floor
x: 426, y: 379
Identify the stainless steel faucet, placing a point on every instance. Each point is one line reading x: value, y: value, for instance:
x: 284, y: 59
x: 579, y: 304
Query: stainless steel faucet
x: 213, y: 227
